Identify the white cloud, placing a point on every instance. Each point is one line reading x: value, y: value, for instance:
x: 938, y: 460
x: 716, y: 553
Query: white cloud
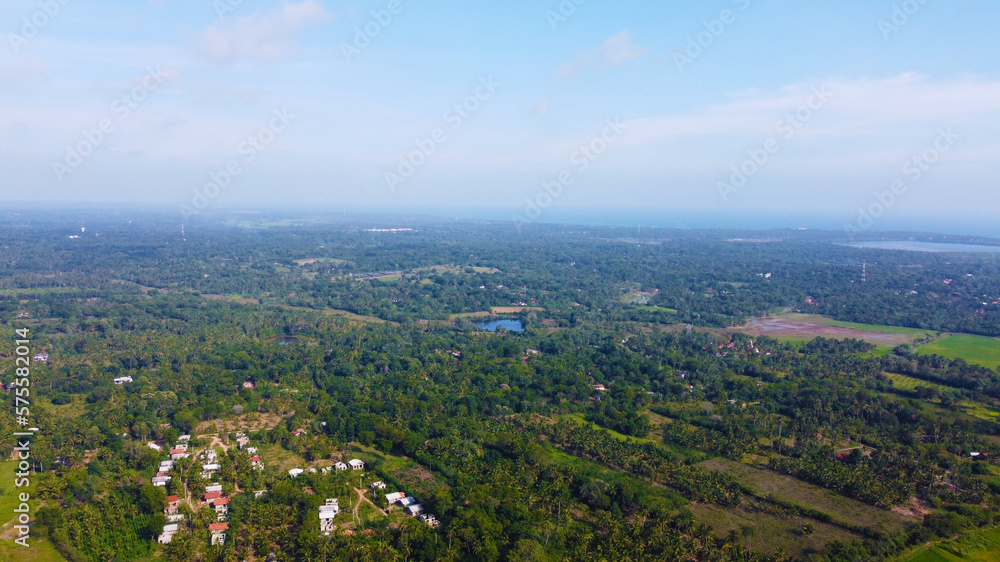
x: 616, y: 51
x: 15, y: 71
x: 261, y: 37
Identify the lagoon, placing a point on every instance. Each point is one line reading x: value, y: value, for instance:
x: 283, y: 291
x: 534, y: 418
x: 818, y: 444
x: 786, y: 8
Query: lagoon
x: 509, y: 325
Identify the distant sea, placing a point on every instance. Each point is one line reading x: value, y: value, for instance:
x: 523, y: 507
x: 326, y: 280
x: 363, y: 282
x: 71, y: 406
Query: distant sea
x: 910, y: 246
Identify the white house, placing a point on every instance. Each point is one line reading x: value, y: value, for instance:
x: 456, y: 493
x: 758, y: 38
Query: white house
x: 41, y: 357
x: 242, y: 442
x: 414, y: 510
x: 168, y: 533
x: 210, y: 467
x: 356, y: 464
x: 183, y: 438
x: 394, y: 497
x: 259, y: 493
x: 406, y: 502
x: 295, y: 472
x: 161, y: 480
x: 340, y: 466
x: 326, y: 514
x: 152, y: 445
x: 122, y: 380
x: 215, y: 487
x: 218, y: 531
x: 377, y: 485
x: 175, y: 518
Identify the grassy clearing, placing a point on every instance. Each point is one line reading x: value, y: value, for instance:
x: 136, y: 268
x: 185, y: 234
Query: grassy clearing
x: 9, y: 497
x: 771, y: 531
x: 801, y: 493
x: 578, y: 418
x: 658, y: 309
x: 904, y: 382
x: 977, y: 350
x: 76, y: 408
x: 282, y: 459
x: 974, y: 409
x: 39, y: 550
x: 980, y: 546
x: 825, y: 321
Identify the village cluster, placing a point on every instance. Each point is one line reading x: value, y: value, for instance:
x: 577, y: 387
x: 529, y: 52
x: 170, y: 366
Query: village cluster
x: 214, y: 495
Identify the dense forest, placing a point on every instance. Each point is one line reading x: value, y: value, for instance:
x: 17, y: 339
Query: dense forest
x: 633, y: 418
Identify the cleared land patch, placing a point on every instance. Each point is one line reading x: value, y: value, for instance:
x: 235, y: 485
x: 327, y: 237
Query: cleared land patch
x: 977, y: 350
x: 808, y: 495
x: 808, y: 327
x: 771, y: 531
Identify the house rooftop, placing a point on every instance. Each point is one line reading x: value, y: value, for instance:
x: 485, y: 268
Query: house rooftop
x: 218, y: 526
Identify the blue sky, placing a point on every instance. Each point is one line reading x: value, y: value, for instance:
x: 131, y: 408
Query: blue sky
x: 648, y: 106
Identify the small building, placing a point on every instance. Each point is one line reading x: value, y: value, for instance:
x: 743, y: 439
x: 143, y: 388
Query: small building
x: 215, y: 487
x: 122, y: 380
x: 209, y: 496
x: 356, y: 464
x: 299, y: 432
x: 327, y: 512
x: 152, y: 445
x: 600, y: 388
x: 172, y: 504
x: 256, y: 463
x: 295, y: 472
x: 377, y: 485
x: 252, y: 450
x: 429, y: 519
x: 242, y: 442
x: 178, y: 454
x: 414, y: 510
x: 259, y: 493
x: 183, y: 438
x: 249, y: 385
x: 218, y: 531
x: 161, y: 480
x: 406, y: 501
x: 210, y: 468
x: 339, y: 466
x: 175, y: 518
x: 42, y: 357
x: 168, y: 533
x: 221, y: 505
x: 394, y: 497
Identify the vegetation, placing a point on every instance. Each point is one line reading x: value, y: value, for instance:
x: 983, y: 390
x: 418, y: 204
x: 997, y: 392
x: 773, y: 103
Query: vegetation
x: 609, y: 429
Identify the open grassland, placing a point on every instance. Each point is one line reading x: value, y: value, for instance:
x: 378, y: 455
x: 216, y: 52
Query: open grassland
x: 578, y: 418
x: 790, y: 489
x: 281, y: 458
x: 39, y: 550
x: 977, y: 350
x: 769, y: 532
x: 792, y: 328
x: 978, y: 546
x: 974, y: 409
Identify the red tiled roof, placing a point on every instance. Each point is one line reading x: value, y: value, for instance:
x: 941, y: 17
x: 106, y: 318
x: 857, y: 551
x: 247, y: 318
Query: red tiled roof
x: 171, y: 498
x: 221, y: 501
x: 218, y: 526
x: 176, y: 451
x: 212, y: 495
x: 255, y: 459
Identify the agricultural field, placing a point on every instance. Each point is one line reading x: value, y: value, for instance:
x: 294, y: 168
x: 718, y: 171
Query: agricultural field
x: 974, y: 409
x: 978, y: 546
x: 806, y: 327
x: 39, y: 550
x: 977, y: 350
x: 768, y: 532
x: 801, y: 493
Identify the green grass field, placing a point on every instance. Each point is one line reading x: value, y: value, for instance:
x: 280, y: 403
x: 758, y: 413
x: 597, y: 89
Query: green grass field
x: 771, y: 531
x: 825, y: 321
x: 39, y: 550
x: 977, y: 350
x: 978, y: 546
x: 804, y: 494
